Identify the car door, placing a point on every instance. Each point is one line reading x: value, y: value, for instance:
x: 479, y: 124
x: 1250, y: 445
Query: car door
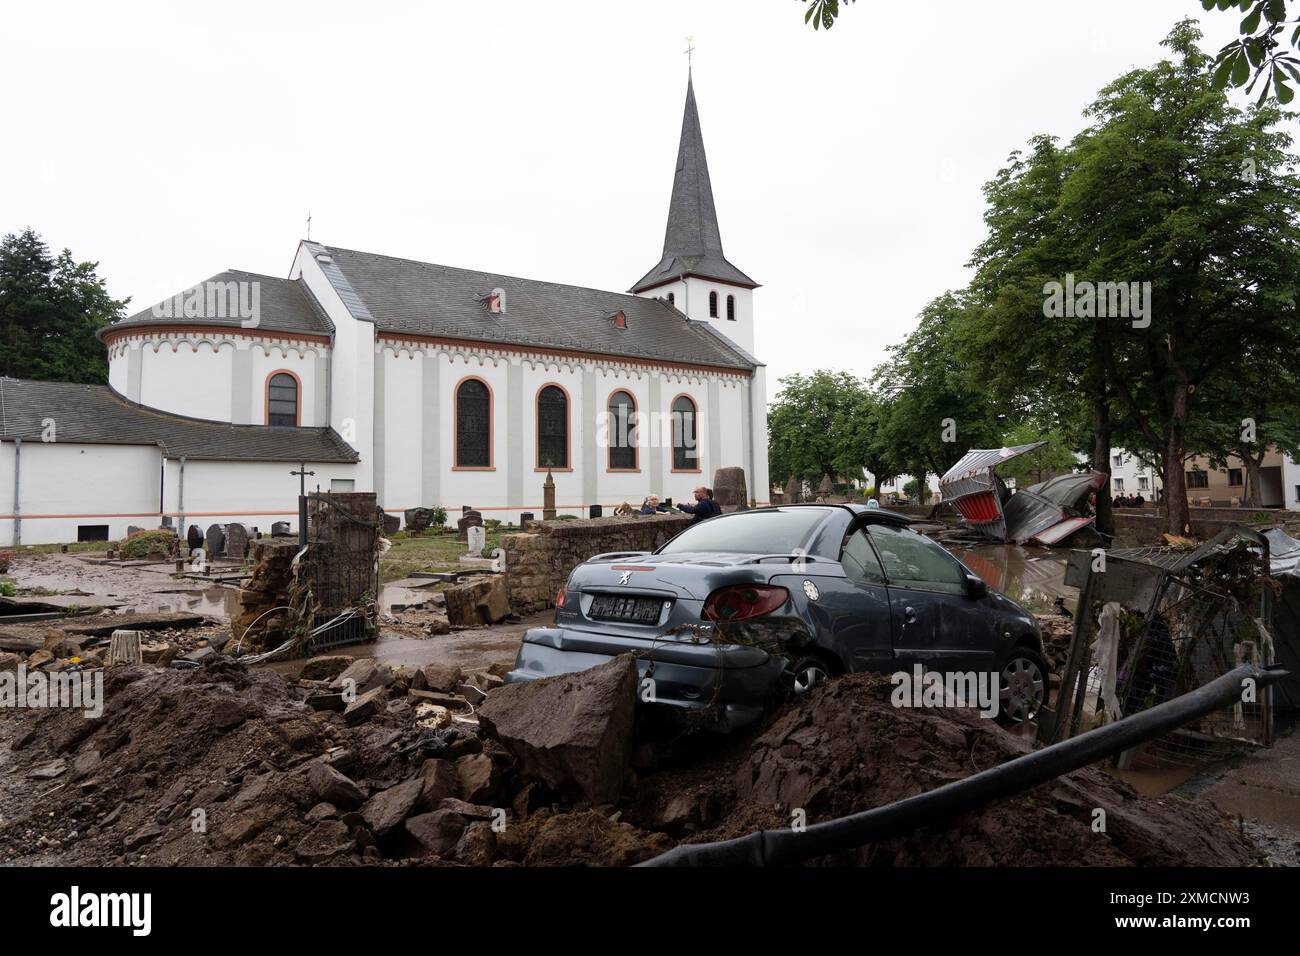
x: 856, y: 608
x: 936, y: 621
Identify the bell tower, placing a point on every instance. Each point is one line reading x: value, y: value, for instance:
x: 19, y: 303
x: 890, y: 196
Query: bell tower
x: 693, y: 272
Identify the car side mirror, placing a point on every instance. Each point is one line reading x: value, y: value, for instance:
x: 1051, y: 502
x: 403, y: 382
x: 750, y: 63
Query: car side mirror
x: 975, y: 586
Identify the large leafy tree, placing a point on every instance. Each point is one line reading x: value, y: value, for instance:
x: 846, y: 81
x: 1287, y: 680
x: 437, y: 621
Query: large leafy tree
x: 1173, y: 186
x: 50, y: 308
x: 935, y: 411
x: 820, y: 425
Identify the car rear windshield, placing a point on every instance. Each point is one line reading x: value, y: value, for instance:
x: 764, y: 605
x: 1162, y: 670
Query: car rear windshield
x: 787, y: 531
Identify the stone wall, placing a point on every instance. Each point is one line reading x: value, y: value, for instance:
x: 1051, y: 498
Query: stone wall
x: 539, y: 560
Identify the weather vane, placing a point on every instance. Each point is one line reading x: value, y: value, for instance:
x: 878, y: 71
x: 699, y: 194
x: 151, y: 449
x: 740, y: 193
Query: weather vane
x: 309, y: 225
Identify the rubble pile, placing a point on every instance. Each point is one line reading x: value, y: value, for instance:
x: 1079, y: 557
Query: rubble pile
x: 1058, y: 633
x: 264, y: 592
x: 357, y: 763
x: 845, y: 748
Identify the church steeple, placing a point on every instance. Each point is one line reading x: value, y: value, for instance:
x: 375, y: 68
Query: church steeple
x: 692, y: 241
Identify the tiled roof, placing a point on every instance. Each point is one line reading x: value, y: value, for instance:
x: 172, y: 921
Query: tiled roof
x: 284, y: 305
x: 402, y: 295
x: 95, y: 414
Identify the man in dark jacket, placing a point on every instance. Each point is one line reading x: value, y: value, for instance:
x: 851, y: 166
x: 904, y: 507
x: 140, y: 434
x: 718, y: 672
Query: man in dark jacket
x: 704, y: 508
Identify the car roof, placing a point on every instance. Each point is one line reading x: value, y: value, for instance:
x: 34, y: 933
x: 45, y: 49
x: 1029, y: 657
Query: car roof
x: 872, y: 515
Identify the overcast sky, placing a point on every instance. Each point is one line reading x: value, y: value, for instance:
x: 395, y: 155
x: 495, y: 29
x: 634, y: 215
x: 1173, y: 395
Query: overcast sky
x: 170, y: 141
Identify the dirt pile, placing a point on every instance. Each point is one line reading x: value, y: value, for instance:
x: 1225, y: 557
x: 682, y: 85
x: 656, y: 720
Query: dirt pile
x: 845, y: 748
x: 1058, y: 633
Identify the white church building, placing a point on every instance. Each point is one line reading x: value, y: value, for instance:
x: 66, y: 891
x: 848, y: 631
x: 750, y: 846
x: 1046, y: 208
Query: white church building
x: 430, y: 385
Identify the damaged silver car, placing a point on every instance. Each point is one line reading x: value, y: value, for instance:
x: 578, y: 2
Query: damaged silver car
x: 737, y: 611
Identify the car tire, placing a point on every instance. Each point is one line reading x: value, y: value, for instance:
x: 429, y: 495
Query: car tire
x: 1024, y: 685
x: 807, y: 671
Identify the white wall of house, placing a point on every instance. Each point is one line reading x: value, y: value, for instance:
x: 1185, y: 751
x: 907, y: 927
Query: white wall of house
x: 1129, y: 476
x: 63, y: 486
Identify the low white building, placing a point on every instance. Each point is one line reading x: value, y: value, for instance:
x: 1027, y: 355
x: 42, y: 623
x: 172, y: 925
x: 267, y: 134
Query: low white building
x: 427, y: 384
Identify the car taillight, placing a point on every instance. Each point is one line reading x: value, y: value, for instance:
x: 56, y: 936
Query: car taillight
x: 559, y: 598
x: 742, y: 601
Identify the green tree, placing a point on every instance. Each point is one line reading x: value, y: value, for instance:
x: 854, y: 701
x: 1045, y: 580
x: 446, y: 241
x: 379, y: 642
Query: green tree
x: 50, y: 309
x: 819, y: 425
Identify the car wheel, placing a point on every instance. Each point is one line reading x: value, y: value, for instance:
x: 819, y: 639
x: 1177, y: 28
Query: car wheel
x: 1022, y: 686
x: 808, y: 671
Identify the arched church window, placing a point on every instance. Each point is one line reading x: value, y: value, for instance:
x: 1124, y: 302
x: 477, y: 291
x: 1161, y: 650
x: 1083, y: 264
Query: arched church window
x: 731, y: 308
x: 473, y: 424
x: 686, y: 447
x: 713, y: 305
x: 282, y: 399
x: 622, y: 432
x: 552, y: 428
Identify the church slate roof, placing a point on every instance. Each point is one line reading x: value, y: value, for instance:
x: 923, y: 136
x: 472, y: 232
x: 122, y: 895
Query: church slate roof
x: 421, y: 298
x: 97, y: 415
x: 285, y: 305
x: 692, y: 240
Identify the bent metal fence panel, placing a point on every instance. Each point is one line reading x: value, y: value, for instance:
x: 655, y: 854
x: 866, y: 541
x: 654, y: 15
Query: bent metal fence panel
x: 341, y: 569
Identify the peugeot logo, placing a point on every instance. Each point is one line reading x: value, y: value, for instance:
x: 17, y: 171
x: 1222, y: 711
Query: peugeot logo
x: 627, y: 576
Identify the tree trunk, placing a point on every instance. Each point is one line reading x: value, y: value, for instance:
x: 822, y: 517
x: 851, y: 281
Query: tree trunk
x: 1101, y: 429
x: 1254, y: 494
x: 1179, y: 516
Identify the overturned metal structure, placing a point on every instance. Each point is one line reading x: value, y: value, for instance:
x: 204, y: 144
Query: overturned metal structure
x: 1046, y: 513
x: 1180, y: 619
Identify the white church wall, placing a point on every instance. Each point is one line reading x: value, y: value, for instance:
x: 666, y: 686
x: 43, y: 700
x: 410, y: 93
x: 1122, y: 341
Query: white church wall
x: 400, y: 421
x: 53, y: 500
x: 268, y: 358
x: 117, y: 371
x: 188, y: 378
x: 253, y: 493
x: 482, y: 488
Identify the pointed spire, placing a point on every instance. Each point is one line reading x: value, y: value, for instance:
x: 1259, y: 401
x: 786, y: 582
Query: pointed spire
x: 692, y: 240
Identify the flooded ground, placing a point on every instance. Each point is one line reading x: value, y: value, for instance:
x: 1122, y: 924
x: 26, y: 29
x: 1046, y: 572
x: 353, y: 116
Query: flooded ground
x: 1032, y: 577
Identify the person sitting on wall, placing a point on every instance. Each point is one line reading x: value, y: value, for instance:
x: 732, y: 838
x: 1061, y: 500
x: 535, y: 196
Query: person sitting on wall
x: 652, y: 505
x: 704, y: 508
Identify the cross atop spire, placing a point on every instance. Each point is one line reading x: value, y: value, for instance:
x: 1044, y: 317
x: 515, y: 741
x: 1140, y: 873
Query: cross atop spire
x: 692, y: 241
x: 690, y: 48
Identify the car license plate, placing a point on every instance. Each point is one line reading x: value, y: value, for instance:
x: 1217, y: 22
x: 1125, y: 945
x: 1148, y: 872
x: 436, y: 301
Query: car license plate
x: 633, y: 610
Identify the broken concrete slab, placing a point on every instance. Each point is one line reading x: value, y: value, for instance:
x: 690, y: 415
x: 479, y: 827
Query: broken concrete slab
x: 387, y: 809
x: 333, y: 787
x: 442, y: 678
x: 364, y: 674
x: 365, y: 706
x: 484, y: 600
x: 572, y: 732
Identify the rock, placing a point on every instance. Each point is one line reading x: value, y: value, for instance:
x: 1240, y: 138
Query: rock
x: 439, y: 626
x: 326, y: 840
x: 479, y: 778
x: 242, y: 827
x: 334, y: 702
x: 154, y: 652
x: 440, y: 678
x: 56, y: 642
x: 438, y: 781
x: 9, y: 662
x: 470, y: 811
x: 729, y: 489
x: 329, y: 785
x: 366, y: 675
x: 439, y: 831
x: 487, y: 681
x: 364, y: 706
x: 432, y: 716
x: 325, y: 668
x: 572, y: 732
x: 388, y: 809
x: 48, y: 770
x: 39, y: 658
x: 477, y: 845
x: 146, y: 834
x: 471, y: 693
x: 482, y: 600
x: 322, y: 811
x: 228, y: 713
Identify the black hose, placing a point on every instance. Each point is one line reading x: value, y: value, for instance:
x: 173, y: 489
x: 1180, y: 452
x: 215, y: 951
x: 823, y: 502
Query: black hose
x: 779, y: 847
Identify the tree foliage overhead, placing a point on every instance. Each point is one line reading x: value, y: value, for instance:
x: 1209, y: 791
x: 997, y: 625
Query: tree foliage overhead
x: 50, y: 309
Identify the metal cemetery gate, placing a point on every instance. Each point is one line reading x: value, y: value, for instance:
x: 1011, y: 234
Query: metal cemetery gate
x: 341, y: 567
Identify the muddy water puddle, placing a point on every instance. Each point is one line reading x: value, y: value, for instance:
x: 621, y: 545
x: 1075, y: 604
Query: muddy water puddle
x: 1032, y: 577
